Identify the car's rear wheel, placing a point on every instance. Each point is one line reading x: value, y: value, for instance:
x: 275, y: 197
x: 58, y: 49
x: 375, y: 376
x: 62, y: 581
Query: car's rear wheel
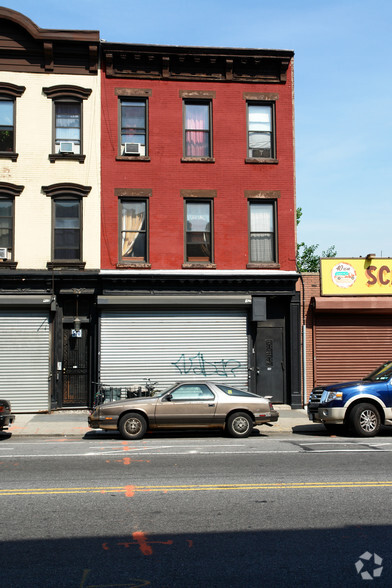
x: 132, y: 426
x: 364, y: 420
x: 239, y: 424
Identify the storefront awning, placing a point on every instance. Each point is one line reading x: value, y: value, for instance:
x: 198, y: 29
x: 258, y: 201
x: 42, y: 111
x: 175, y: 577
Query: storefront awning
x: 359, y: 304
x: 27, y: 300
x: 175, y: 300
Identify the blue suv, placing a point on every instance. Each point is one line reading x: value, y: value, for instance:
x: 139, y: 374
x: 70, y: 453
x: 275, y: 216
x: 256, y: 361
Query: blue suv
x: 361, y: 406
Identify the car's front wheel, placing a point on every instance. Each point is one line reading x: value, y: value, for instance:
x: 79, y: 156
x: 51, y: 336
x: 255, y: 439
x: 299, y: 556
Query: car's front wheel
x: 364, y: 420
x: 132, y: 426
x: 239, y: 424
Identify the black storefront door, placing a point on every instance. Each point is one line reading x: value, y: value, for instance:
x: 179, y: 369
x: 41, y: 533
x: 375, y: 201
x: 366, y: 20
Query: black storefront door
x: 270, y: 362
x: 75, y: 367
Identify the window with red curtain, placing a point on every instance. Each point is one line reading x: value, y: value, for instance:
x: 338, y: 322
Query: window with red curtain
x: 197, y: 122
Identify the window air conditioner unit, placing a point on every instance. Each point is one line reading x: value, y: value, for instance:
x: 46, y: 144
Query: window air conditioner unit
x: 131, y: 148
x: 66, y: 147
x: 3, y: 253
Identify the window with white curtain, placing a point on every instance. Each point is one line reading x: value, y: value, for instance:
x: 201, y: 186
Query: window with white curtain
x: 262, y: 232
x: 133, y: 230
x: 261, y: 131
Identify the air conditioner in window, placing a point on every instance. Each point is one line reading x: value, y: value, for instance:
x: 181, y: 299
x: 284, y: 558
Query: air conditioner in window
x: 131, y: 148
x: 3, y: 253
x: 66, y: 147
x: 263, y: 153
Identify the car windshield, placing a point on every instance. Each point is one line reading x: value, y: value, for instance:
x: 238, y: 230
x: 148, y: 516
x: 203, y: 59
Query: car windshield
x: 381, y: 374
x: 233, y: 391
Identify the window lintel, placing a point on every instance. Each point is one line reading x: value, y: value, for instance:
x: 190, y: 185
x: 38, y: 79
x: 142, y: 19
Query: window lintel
x: 67, y: 91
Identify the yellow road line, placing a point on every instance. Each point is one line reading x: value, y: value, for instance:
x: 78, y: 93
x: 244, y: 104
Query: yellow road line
x: 130, y: 490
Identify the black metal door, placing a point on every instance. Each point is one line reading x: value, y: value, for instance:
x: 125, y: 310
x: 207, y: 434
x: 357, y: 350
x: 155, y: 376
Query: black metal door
x: 270, y: 365
x: 75, y: 366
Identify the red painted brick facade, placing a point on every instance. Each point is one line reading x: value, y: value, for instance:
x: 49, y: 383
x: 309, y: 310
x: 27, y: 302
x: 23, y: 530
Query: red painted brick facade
x: 166, y: 175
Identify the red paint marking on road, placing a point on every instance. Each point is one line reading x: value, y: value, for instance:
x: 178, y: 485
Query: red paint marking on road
x: 190, y: 543
x: 127, y: 460
x: 105, y: 546
x: 140, y: 537
x: 129, y: 491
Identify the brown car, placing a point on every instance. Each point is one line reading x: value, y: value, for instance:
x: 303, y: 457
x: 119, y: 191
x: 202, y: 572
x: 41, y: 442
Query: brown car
x: 6, y: 416
x: 186, y: 405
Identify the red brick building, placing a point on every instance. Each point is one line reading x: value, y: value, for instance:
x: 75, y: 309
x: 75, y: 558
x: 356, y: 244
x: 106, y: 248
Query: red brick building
x: 198, y: 218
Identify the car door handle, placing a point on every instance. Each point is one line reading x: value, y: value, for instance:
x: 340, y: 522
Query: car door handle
x: 211, y: 404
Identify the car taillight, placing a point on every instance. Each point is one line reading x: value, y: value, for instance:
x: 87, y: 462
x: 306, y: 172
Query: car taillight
x: 271, y: 406
x: 2, y: 407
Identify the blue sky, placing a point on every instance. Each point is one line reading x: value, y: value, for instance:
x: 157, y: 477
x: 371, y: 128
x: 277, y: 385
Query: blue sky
x: 343, y: 92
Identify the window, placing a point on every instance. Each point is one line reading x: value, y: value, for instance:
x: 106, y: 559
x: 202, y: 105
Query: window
x: 67, y: 127
x: 8, y: 95
x: 7, y: 135
x: 6, y: 227
x: 261, y: 140
x: 67, y: 141
x: 192, y: 392
x: 197, y: 129
x: 67, y: 230
x: 133, y: 231
x: 262, y: 232
x: 133, y: 127
x: 198, y: 232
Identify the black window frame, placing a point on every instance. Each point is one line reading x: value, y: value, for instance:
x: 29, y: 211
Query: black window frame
x: 10, y: 92
x: 196, y: 260
x: 67, y: 198
x: 11, y: 244
x: 138, y: 261
x: 67, y: 94
x: 121, y: 146
x: 273, y: 204
x: 204, y: 102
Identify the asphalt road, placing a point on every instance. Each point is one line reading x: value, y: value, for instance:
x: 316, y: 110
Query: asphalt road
x: 195, y: 510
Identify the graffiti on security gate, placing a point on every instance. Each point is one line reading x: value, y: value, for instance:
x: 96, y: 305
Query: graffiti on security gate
x: 199, y: 366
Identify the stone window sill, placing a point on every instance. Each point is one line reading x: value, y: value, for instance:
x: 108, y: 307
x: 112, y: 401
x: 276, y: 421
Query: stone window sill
x: 53, y: 157
x: 263, y: 265
x: 261, y: 160
x: 198, y: 160
x: 59, y: 265
x: 133, y: 158
x: 8, y: 264
x: 9, y: 155
x: 140, y: 265
x: 198, y: 266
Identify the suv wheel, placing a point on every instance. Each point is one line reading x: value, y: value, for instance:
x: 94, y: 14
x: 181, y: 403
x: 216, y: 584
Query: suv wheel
x: 365, y: 420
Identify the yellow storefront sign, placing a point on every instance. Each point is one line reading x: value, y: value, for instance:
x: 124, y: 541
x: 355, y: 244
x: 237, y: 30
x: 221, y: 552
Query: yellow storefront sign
x: 356, y: 277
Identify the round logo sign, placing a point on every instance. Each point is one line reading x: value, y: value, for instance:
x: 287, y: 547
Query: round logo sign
x: 343, y: 275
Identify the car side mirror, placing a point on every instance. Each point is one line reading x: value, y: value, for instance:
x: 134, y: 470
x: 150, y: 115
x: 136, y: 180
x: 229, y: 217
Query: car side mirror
x: 169, y: 397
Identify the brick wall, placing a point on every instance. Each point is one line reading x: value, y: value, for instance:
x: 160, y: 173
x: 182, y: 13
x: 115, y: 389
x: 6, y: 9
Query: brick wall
x: 166, y: 175
x: 309, y: 288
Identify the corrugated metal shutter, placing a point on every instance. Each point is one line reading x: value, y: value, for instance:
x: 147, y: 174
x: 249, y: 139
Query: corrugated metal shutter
x: 24, y: 359
x: 170, y: 345
x: 350, y: 346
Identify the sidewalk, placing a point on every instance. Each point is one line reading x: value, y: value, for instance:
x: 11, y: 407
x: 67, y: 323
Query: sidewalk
x: 74, y: 423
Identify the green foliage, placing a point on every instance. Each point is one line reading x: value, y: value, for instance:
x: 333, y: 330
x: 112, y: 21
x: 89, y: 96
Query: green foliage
x: 307, y: 258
